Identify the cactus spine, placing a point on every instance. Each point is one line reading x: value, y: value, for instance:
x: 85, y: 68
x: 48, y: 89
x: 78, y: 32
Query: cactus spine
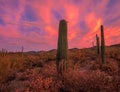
x: 102, y: 45
x: 62, y: 48
x: 98, y: 44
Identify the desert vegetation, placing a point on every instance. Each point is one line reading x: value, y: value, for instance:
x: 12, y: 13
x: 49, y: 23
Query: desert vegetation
x: 95, y: 69
x: 37, y: 72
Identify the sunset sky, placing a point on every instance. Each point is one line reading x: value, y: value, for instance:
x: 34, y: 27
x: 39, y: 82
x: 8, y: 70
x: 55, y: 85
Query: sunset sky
x: 34, y: 23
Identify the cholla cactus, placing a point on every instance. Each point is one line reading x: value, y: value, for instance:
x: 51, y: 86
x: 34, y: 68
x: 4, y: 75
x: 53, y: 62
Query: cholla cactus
x: 62, y: 49
x: 102, y: 45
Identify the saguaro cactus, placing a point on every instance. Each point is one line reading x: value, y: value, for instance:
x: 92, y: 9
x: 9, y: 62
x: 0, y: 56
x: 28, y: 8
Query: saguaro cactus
x: 62, y: 49
x: 97, y: 44
x: 102, y: 45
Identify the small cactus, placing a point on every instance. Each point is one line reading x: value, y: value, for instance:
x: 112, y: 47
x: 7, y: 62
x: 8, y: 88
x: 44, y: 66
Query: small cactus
x: 102, y: 45
x: 22, y: 51
x: 98, y: 44
x: 93, y: 44
x: 62, y: 49
x: 4, y: 52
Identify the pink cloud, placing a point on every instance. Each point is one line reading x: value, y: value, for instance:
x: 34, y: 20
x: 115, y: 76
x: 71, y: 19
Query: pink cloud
x: 112, y: 35
x: 93, y: 13
x: 6, y: 32
x: 93, y: 23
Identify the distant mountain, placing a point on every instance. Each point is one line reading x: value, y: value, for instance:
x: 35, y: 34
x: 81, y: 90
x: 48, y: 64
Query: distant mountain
x: 115, y: 45
x: 42, y: 51
x: 53, y: 50
x: 35, y: 52
x: 31, y: 52
x: 73, y: 49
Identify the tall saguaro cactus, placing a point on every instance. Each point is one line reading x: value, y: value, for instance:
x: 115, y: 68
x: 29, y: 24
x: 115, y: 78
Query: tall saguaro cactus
x: 62, y: 49
x: 102, y: 45
x: 98, y: 44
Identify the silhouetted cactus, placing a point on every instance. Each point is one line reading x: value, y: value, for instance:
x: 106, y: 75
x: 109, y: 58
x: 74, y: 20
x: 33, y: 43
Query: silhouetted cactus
x: 4, y: 52
x: 98, y: 44
x: 93, y: 44
x: 62, y: 49
x: 102, y: 45
x: 22, y: 51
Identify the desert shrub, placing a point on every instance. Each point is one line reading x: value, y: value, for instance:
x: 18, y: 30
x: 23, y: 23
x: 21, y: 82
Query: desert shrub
x: 93, y: 81
x: 9, y: 64
x: 110, y: 67
x: 113, y: 52
x: 49, y: 70
x: 45, y: 79
x: 45, y: 84
x: 95, y: 66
